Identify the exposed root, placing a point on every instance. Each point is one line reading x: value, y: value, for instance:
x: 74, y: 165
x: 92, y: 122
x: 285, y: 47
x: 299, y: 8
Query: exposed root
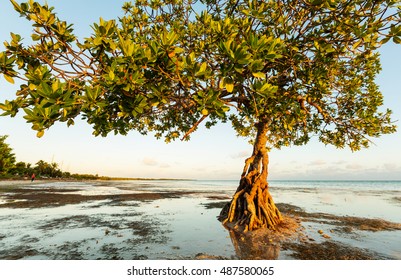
x: 252, y: 206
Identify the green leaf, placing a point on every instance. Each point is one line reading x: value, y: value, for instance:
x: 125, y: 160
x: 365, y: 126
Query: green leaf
x: 16, y: 37
x: 9, y: 79
x: 316, y: 2
x: 55, y: 85
x: 192, y: 56
x: 98, y: 41
x: 36, y: 37
x: 40, y: 133
x: 222, y: 84
x: 16, y: 6
x: 111, y: 75
x: 178, y: 50
x: 229, y: 86
x: 397, y: 40
x: 357, y: 44
x: 46, y: 89
x: 203, y: 67
x: 259, y: 75
x: 227, y: 83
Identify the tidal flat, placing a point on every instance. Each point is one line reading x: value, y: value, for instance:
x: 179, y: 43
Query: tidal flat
x: 143, y: 220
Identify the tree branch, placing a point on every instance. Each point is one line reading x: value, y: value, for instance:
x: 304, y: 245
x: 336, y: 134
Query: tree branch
x: 194, y: 127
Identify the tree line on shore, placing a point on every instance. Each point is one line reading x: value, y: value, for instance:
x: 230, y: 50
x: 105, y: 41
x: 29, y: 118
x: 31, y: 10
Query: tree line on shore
x: 11, y: 169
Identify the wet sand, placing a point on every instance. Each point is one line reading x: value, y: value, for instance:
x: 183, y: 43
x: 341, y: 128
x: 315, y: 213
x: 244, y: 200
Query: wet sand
x: 134, y: 220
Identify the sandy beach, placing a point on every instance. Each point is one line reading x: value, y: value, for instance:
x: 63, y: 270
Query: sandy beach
x: 178, y: 220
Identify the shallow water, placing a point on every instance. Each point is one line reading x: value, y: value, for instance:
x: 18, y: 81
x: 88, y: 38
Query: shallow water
x: 365, y: 203
x: 156, y: 229
x: 180, y: 227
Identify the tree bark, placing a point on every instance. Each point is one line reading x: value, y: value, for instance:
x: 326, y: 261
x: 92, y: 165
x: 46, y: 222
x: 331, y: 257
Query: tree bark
x: 252, y: 206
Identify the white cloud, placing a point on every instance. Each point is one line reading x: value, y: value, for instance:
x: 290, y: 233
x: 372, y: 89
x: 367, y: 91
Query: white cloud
x: 390, y: 167
x: 164, y: 165
x: 243, y: 154
x: 317, y: 162
x: 149, y: 161
x: 355, y: 166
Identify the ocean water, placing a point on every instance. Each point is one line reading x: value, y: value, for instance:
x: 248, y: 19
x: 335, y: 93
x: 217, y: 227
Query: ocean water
x: 340, y: 185
x: 286, y: 184
x: 293, y: 184
x: 370, y: 199
x: 210, y: 185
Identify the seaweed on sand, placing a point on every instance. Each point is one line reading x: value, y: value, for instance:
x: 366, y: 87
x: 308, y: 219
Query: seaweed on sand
x: 358, y: 223
x: 328, y: 250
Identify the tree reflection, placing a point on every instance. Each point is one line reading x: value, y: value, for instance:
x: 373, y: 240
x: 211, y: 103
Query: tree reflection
x: 252, y: 246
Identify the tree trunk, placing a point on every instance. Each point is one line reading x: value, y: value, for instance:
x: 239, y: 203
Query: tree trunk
x: 252, y: 206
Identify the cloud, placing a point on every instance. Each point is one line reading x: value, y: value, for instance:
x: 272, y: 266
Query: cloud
x: 149, y: 161
x: 164, y: 165
x: 243, y: 154
x: 153, y: 162
x: 317, y: 162
x: 355, y: 166
x: 390, y: 167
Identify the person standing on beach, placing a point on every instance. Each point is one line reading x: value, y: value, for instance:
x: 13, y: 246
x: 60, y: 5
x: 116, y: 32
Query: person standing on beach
x: 33, y: 177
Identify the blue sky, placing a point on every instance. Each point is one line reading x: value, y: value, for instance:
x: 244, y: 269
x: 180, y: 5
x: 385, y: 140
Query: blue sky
x: 211, y: 154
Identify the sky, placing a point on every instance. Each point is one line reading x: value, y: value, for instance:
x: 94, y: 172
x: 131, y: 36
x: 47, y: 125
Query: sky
x: 215, y: 153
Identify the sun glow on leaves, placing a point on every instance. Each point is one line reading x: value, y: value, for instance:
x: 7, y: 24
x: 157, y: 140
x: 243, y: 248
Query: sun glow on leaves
x: 304, y: 68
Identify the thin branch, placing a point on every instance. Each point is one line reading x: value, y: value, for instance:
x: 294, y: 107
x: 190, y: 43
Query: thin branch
x: 194, y: 127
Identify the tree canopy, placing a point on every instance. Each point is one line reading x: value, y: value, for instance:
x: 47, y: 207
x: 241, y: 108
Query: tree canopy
x: 7, y: 157
x: 9, y: 168
x: 304, y: 67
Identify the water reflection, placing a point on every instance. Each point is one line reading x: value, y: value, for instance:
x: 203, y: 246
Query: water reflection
x: 253, y: 246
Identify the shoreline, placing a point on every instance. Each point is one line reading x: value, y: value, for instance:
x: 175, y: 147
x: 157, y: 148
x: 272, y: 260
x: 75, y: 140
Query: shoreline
x: 106, y: 178
x: 28, y: 182
x: 100, y: 178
